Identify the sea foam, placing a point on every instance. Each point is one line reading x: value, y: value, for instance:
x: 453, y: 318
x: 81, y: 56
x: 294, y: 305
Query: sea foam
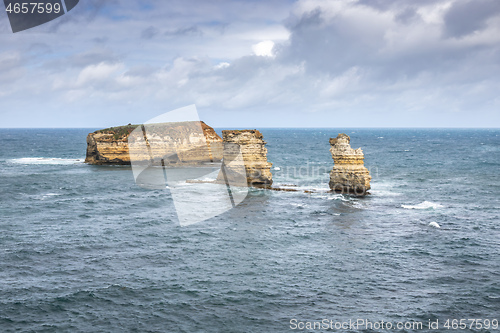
x: 423, y: 205
x: 46, y: 160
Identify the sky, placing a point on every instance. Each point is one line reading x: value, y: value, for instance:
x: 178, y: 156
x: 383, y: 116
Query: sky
x: 257, y: 63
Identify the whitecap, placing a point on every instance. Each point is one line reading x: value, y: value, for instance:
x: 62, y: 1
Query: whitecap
x: 314, y: 189
x: 385, y: 193
x: 423, y: 205
x: 336, y: 196
x: 43, y: 196
x: 435, y: 225
x: 277, y: 168
x: 46, y: 160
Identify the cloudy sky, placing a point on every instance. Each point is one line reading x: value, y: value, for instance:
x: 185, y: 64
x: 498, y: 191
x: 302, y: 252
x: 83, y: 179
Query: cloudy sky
x: 258, y: 63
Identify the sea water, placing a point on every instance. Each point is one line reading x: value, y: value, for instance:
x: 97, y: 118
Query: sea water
x: 84, y: 249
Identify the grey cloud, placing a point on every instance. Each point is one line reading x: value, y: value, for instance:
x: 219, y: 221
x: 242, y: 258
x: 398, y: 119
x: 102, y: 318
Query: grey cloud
x: 88, y: 10
x: 100, y: 40
x: 188, y: 31
x: 334, y: 45
x: 4, y: 23
x: 330, y: 46
x: 141, y: 71
x: 9, y: 61
x: 385, y: 5
x: 149, y: 32
x: 11, y: 69
x: 243, y: 69
x: 465, y: 17
x: 407, y: 15
x: 81, y: 60
x: 91, y: 57
x: 39, y: 49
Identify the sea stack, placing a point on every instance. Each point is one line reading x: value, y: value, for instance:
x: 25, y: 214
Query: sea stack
x: 175, y: 141
x: 245, y: 147
x: 349, y: 174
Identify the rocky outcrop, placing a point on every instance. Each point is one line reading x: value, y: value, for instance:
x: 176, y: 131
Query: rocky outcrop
x: 109, y: 146
x: 175, y: 143
x: 349, y: 174
x: 245, y: 157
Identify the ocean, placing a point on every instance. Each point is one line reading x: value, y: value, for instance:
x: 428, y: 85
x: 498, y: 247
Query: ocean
x: 84, y: 249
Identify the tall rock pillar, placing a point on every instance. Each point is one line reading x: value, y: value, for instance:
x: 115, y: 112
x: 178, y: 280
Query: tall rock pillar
x: 245, y: 147
x: 349, y: 174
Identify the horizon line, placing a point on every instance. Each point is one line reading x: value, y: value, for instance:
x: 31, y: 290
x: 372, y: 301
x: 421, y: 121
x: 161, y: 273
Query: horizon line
x: 272, y: 127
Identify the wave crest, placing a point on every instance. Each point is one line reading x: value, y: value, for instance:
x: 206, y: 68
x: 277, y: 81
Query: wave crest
x: 423, y: 205
x: 46, y: 160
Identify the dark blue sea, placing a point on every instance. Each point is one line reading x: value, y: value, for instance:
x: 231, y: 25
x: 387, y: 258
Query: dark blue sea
x: 84, y: 249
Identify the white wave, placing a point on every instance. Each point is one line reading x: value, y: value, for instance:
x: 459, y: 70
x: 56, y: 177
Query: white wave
x: 434, y: 224
x: 277, y: 168
x: 338, y: 196
x: 46, y: 160
x: 423, y: 205
x: 384, y: 189
x: 313, y: 189
x: 43, y: 196
x: 385, y: 193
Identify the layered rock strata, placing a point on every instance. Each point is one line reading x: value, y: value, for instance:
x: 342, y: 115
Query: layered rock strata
x: 349, y: 174
x: 245, y: 158
x: 174, y: 143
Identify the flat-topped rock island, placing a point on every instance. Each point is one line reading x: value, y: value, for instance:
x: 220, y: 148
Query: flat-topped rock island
x: 111, y: 146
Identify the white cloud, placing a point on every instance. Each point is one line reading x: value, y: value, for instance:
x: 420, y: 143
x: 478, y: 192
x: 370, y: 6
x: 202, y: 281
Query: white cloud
x: 94, y: 74
x: 222, y: 65
x: 264, y: 49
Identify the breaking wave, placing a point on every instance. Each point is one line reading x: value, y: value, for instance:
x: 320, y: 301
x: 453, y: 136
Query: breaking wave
x: 423, y: 205
x: 46, y: 160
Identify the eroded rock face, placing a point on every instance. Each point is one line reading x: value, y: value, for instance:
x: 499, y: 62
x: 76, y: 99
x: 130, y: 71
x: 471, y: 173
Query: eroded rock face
x: 349, y: 174
x: 245, y: 147
x: 174, y: 141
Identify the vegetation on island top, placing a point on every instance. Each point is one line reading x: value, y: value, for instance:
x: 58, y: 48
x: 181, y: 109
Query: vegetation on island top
x: 241, y: 131
x: 118, y: 131
x: 124, y: 131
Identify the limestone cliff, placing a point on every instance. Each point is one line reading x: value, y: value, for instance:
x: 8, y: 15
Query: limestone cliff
x: 349, y: 174
x: 245, y: 147
x: 112, y: 146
